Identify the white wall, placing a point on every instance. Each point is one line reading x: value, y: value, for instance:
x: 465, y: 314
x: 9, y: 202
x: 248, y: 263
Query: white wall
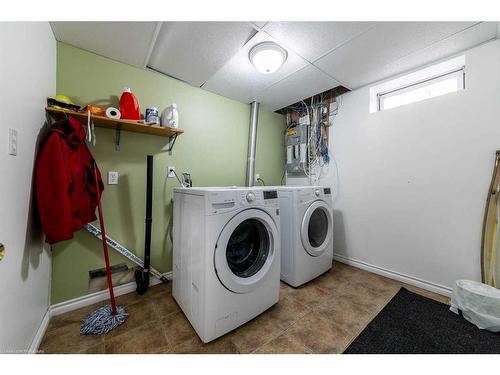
x: 27, y: 77
x: 414, y: 179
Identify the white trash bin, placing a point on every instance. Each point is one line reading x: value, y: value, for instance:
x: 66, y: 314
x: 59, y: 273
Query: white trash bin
x: 478, y: 302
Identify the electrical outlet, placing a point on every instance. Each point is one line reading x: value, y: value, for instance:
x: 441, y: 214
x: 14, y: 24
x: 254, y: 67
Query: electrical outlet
x: 112, y: 178
x: 170, y: 172
x: 257, y: 176
x: 12, y: 142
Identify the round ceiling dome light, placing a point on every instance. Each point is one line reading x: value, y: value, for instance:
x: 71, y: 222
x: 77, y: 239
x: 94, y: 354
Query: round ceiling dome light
x: 267, y: 57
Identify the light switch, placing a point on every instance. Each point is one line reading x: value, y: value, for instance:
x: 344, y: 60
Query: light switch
x: 112, y: 178
x: 12, y: 141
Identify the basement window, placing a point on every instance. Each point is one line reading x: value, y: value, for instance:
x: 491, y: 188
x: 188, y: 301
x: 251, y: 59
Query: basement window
x: 433, y: 81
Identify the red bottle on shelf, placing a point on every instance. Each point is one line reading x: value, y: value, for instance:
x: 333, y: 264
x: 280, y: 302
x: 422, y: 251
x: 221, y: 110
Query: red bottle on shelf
x: 129, y: 106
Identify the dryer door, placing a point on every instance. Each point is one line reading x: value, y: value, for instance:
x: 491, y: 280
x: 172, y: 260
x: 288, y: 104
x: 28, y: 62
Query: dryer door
x: 245, y: 250
x: 317, y: 228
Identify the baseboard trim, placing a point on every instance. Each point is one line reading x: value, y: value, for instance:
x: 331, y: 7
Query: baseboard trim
x: 76, y: 303
x: 35, y: 343
x: 102, y: 295
x: 415, y: 281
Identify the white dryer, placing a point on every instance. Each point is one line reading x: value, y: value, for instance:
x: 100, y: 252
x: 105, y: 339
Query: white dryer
x: 226, y: 256
x: 306, y: 232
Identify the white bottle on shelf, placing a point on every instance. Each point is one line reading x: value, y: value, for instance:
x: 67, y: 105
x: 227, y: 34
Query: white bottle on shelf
x: 170, y: 116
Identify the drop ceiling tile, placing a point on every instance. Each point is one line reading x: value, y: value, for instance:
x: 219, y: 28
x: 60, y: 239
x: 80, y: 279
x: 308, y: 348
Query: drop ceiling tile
x: 239, y: 80
x: 312, y: 40
x: 455, y: 44
x: 193, y: 51
x: 297, y: 86
x: 127, y: 42
x: 360, y: 61
x: 259, y: 24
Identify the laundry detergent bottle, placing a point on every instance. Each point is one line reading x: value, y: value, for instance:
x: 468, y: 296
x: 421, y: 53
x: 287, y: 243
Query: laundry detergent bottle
x: 170, y: 116
x: 129, y: 106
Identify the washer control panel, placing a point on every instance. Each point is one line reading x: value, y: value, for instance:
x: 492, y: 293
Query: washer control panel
x: 232, y: 199
x: 258, y: 197
x: 270, y: 194
x: 250, y: 197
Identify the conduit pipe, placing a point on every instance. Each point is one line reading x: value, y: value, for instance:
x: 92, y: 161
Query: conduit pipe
x: 252, y: 141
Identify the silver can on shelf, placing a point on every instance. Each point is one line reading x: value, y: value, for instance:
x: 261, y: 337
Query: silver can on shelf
x: 152, y: 116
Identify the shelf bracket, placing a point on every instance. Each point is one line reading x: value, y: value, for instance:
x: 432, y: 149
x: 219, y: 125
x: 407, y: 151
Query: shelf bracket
x: 117, y: 137
x: 171, y: 143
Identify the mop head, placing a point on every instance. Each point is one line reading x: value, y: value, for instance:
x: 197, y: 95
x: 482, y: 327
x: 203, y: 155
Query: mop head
x: 102, y: 320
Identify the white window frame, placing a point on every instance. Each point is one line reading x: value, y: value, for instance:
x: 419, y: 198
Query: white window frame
x: 420, y: 78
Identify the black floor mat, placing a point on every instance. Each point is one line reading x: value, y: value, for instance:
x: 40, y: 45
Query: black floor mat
x: 414, y: 324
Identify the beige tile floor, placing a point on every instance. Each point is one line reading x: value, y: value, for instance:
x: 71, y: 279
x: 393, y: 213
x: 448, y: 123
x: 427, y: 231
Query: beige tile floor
x: 323, y: 316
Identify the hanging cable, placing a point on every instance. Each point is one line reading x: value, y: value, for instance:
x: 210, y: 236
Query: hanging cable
x: 318, y: 116
x: 178, y: 179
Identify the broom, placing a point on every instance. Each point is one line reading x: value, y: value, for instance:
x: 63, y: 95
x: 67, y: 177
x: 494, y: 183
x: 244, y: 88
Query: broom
x: 110, y: 316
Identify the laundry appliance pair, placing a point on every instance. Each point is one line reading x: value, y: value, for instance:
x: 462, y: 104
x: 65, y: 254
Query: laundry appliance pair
x: 231, y: 246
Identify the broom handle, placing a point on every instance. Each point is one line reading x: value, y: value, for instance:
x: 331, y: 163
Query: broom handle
x: 104, y: 243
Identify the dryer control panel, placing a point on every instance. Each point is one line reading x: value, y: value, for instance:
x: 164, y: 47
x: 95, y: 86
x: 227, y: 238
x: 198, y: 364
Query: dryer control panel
x: 315, y: 192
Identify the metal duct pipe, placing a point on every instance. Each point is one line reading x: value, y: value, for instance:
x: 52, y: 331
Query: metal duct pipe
x: 252, y: 141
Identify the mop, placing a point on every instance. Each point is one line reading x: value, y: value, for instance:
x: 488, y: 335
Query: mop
x: 110, y: 316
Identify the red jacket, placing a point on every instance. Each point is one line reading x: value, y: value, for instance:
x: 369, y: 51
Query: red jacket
x: 65, y: 186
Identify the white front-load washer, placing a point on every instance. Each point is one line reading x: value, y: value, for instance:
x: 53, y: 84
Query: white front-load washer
x: 306, y: 225
x: 226, y: 256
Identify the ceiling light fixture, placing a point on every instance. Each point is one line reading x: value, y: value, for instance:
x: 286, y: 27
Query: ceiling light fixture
x: 267, y: 57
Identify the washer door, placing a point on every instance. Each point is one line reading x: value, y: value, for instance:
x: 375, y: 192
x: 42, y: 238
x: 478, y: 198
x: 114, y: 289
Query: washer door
x: 245, y: 250
x: 317, y: 228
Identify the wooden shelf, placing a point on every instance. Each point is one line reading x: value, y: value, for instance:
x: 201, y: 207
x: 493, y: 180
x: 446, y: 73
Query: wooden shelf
x: 128, y: 125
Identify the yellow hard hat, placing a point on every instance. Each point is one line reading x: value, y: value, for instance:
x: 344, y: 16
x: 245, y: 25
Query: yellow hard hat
x: 63, y: 99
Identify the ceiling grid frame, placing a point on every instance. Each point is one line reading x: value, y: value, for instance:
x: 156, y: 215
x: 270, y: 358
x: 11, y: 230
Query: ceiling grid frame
x: 152, y: 43
x: 436, y: 43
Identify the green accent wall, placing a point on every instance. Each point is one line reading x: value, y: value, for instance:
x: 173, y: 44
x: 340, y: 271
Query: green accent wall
x: 213, y: 149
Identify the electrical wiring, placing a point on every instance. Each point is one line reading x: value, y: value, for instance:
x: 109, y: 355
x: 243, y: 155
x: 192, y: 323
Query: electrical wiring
x: 318, y: 150
x: 306, y: 167
x: 315, y: 143
x: 178, y: 179
x: 319, y: 120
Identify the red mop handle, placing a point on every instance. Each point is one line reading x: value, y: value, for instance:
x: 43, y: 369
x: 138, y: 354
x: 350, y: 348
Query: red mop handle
x: 104, y: 243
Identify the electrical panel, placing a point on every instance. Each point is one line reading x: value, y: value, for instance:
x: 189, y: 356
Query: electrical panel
x: 296, y: 148
x: 307, y: 135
